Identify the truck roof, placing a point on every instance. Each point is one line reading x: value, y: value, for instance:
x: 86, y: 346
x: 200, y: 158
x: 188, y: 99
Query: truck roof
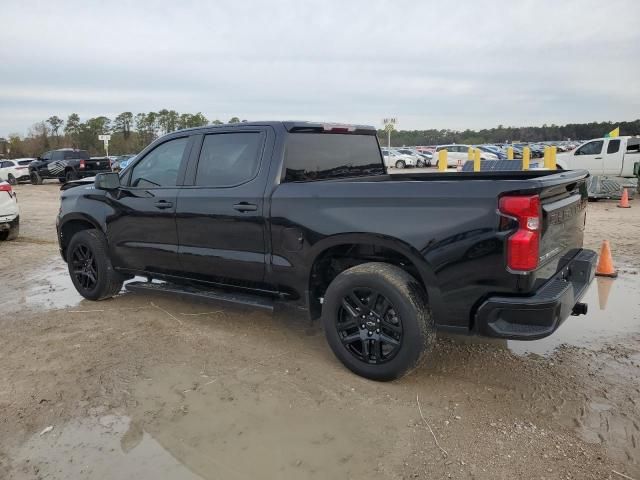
x: 296, y: 126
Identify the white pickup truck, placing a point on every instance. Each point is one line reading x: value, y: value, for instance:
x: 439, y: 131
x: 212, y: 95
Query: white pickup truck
x: 603, y: 156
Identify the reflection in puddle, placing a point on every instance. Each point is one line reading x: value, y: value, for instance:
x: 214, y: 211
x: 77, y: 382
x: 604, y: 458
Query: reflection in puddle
x: 106, y: 447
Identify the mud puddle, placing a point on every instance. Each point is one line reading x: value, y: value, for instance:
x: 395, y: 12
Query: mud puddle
x: 105, y: 447
x: 614, y: 313
x: 48, y: 287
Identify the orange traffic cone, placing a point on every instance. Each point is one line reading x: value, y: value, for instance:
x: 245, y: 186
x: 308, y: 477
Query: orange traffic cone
x: 605, y: 262
x: 624, y: 201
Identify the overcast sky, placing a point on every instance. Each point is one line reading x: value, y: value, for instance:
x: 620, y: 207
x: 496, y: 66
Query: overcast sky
x: 432, y: 64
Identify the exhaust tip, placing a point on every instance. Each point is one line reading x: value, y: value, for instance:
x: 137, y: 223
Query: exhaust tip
x: 580, y: 309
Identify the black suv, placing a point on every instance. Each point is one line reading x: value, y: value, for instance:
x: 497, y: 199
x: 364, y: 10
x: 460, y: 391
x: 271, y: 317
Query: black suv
x: 65, y: 165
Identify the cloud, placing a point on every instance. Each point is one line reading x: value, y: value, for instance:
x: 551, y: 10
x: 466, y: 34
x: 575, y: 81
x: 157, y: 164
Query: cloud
x: 464, y: 64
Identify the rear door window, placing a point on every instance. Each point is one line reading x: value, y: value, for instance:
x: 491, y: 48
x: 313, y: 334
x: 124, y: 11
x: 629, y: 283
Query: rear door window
x: 614, y: 146
x: 229, y: 159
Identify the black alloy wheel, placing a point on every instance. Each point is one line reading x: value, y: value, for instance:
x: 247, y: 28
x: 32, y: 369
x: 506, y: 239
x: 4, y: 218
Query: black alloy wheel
x: 84, y: 265
x: 369, y: 327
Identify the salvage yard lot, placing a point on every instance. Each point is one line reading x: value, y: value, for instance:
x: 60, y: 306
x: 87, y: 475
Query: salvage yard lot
x: 147, y: 386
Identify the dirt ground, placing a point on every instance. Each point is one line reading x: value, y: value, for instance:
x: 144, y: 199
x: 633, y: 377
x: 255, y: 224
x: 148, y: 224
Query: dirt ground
x: 151, y: 387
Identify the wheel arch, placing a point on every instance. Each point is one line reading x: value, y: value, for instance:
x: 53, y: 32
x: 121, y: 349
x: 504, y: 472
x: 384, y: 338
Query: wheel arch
x: 71, y: 225
x: 337, y: 253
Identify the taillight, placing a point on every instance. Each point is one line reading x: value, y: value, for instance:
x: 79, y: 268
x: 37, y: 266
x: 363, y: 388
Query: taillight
x: 82, y: 164
x: 523, y: 246
x: 5, y: 187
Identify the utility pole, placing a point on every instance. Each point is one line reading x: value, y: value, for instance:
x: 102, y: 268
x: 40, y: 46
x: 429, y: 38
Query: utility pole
x: 389, y: 126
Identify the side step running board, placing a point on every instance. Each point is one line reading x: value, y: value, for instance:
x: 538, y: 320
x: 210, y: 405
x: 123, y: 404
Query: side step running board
x: 215, y: 295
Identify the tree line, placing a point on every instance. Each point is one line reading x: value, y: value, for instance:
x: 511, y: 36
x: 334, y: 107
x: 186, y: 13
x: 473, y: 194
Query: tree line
x: 129, y: 132
x: 501, y: 134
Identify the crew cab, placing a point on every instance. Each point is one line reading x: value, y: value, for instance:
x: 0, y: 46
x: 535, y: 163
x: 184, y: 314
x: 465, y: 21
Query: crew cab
x: 306, y: 213
x: 603, y: 156
x: 66, y: 164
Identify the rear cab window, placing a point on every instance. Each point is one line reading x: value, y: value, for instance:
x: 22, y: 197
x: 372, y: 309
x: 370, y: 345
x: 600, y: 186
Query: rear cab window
x: 76, y: 155
x: 324, y: 156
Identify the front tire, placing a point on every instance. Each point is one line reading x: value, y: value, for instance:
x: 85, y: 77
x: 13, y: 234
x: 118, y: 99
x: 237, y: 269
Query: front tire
x: 377, y: 321
x: 400, y: 164
x: 90, y: 267
x: 11, y: 179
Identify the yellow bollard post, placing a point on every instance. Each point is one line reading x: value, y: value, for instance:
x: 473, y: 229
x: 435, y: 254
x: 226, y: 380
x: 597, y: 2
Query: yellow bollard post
x: 526, y: 156
x: 476, y: 160
x: 442, y: 160
x: 470, y: 153
x: 552, y: 162
x: 510, y: 153
x: 547, y: 157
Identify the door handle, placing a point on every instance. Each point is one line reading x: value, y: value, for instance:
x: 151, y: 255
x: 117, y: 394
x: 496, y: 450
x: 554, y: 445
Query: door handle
x: 598, y: 158
x: 245, y: 207
x: 162, y: 204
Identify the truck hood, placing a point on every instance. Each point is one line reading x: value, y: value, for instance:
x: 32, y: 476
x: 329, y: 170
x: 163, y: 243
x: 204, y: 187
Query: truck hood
x: 78, y: 183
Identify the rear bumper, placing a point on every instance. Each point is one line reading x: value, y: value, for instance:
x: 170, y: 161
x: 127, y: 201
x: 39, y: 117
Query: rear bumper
x: 537, y: 316
x: 9, y: 222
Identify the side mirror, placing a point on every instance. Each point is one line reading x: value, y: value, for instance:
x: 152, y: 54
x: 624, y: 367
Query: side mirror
x: 107, y: 181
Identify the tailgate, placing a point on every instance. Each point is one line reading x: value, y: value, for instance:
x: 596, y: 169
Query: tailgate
x: 97, y: 165
x: 564, y: 207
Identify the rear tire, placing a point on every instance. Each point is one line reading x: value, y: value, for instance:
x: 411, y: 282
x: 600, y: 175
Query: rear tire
x: 377, y: 321
x: 11, y: 179
x: 400, y: 164
x: 90, y: 267
x: 36, y: 179
x: 70, y: 176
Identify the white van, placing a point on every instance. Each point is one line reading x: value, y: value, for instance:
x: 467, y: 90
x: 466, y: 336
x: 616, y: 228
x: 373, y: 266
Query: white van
x: 603, y: 156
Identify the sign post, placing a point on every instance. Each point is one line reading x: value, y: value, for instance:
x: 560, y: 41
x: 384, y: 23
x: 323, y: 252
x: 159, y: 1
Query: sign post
x: 105, y: 139
x: 389, y: 126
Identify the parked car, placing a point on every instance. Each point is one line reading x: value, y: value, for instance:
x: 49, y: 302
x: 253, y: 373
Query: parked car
x: 65, y: 165
x: 305, y: 213
x: 603, y: 156
x: 9, y: 212
x: 491, y: 153
x: 121, y: 162
x: 395, y: 159
x: 457, y: 153
x: 15, y: 171
x: 422, y: 159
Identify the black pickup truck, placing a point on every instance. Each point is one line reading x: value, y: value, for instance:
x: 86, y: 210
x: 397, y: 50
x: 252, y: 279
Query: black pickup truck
x: 65, y: 165
x: 306, y: 213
